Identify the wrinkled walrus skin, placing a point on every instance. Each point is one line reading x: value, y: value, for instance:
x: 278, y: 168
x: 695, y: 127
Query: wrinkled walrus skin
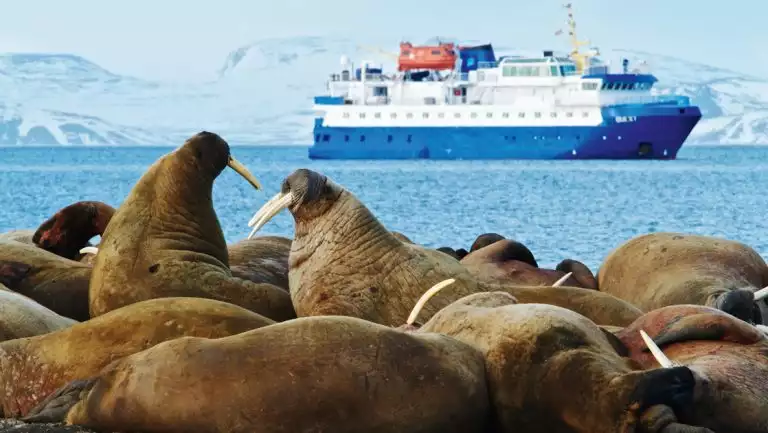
x: 165, y: 239
x: 316, y: 374
x: 263, y: 259
x: 52, y: 281
x: 343, y: 261
x: 550, y: 369
x: 728, y: 355
x: 661, y: 269
x: 32, y: 368
x: 22, y: 317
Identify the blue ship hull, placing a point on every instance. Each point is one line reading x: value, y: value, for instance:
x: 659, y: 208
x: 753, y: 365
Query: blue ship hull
x: 658, y: 132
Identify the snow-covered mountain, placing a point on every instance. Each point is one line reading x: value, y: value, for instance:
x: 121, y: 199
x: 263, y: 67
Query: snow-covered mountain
x: 263, y: 95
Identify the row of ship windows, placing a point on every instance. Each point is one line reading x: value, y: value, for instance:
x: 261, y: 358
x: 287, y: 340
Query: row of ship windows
x: 327, y: 137
x: 521, y: 115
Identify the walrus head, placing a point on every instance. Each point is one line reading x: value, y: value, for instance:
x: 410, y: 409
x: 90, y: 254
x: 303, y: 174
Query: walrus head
x: 70, y: 229
x: 209, y: 153
x: 743, y: 303
x: 301, y: 188
x: 484, y: 240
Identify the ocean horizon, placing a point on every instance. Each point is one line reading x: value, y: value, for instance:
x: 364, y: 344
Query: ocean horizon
x: 559, y: 209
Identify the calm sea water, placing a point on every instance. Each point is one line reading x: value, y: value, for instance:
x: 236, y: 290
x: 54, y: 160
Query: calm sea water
x: 559, y: 209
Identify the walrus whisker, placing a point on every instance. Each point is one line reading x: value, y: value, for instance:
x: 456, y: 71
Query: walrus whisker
x: 425, y: 297
x: 657, y: 353
x: 244, y: 172
x: 560, y: 282
x: 271, y: 208
x: 89, y: 250
x: 761, y: 294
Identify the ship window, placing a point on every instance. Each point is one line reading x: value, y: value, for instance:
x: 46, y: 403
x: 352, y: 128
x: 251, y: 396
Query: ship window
x: 457, y: 115
x: 425, y: 115
x: 505, y: 115
x: 514, y: 138
x: 553, y: 114
x: 569, y: 114
x: 585, y: 114
x: 489, y: 115
x: 393, y: 115
x: 553, y: 71
x: 317, y: 137
x: 409, y: 138
x: 389, y: 138
x: 435, y: 52
x: 345, y: 115
x: 589, y: 86
x: 440, y: 115
x: 521, y: 115
x: 473, y: 115
x: 509, y: 71
x: 326, y: 137
x: 362, y: 115
x: 537, y: 114
x: 346, y: 138
x: 558, y: 137
x: 409, y: 115
x: 362, y: 138
x: 406, y: 53
x: 377, y: 115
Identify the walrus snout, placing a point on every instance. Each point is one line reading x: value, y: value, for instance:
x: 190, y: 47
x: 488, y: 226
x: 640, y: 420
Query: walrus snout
x: 740, y: 303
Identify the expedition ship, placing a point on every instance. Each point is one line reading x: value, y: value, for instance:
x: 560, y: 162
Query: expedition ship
x: 460, y: 102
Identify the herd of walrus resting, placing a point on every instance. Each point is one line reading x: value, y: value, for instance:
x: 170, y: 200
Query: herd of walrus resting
x: 350, y: 327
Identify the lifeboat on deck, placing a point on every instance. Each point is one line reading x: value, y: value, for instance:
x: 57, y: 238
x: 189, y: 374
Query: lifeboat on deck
x: 435, y: 57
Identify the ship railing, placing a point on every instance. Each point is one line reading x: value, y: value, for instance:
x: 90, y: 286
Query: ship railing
x: 677, y: 100
x: 486, y: 65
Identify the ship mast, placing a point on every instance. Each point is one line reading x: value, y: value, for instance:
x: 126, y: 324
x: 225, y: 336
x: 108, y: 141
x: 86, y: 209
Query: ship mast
x: 579, y: 58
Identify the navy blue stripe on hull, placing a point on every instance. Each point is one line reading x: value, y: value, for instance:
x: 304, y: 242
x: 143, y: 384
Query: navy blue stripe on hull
x: 649, y: 134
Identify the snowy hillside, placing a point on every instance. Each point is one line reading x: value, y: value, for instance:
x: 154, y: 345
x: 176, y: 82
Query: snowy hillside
x: 263, y: 95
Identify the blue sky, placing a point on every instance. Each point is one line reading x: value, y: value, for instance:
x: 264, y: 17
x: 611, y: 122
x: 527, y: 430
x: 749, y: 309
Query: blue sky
x: 174, y: 39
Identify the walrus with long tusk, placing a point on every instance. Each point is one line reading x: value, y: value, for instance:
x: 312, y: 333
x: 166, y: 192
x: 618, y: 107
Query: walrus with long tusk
x: 32, y: 368
x: 343, y: 261
x: 70, y: 228
x: 22, y: 317
x: 551, y: 369
x: 165, y: 239
x: 52, y: 281
x: 662, y: 269
x: 728, y: 356
x: 343, y: 375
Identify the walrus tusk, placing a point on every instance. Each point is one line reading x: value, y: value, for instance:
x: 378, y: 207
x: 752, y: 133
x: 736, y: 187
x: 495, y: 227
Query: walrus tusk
x: 425, y: 297
x: 762, y: 293
x: 242, y: 171
x: 661, y: 358
x: 271, y: 208
x: 89, y: 250
x: 560, y: 282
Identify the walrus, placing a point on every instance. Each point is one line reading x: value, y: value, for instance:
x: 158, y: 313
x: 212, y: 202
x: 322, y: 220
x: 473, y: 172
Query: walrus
x: 54, y: 282
x: 21, y: 235
x: 32, y: 368
x: 510, y: 262
x: 661, y: 269
x: 22, y: 317
x: 343, y: 261
x: 263, y: 259
x: 551, y: 369
x: 728, y: 356
x: 70, y: 228
x: 165, y: 239
x: 486, y: 239
x: 401, y: 237
x: 344, y: 375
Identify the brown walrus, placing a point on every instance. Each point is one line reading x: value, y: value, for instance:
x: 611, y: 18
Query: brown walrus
x: 33, y: 368
x: 22, y: 317
x: 728, y: 355
x: 21, y: 235
x: 263, y: 259
x: 661, y: 269
x: 551, y: 369
x: 52, y: 281
x: 165, y: 239
x: 505, y: 261
x: 345, y: 375
x: 70, y: 229
x: 343, y: 261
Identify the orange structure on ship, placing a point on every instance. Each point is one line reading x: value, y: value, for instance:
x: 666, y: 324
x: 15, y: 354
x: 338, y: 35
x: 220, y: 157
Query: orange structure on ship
x: 435, y: 57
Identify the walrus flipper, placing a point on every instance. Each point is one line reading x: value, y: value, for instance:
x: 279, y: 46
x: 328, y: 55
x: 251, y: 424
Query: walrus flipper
x: 56, y: 406
x: 662, y: 419
x: 708, y: 327
x: 13, y: 273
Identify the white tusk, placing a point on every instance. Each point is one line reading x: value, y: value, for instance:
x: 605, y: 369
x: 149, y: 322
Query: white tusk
x: 762, y: 293
x: 425, y: 297
x: 271, y: 208
x: 89, y: 250
x: 560, y: 282
x: 661, y: 358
